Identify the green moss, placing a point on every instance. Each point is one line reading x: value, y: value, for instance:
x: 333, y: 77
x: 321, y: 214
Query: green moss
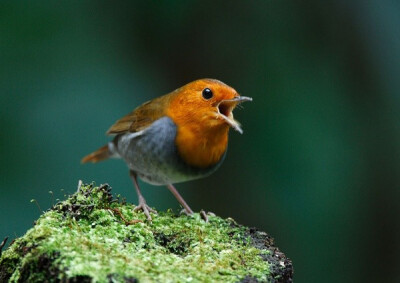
x: 90, y: 235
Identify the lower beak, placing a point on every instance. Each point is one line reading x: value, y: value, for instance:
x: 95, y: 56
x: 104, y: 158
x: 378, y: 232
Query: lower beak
x: 225, y: 108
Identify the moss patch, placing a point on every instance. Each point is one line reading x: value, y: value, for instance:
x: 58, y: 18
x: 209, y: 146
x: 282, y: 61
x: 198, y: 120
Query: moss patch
x: 92, y: 237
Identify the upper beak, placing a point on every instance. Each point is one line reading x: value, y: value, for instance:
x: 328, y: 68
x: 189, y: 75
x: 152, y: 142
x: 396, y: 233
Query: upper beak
x: 225, y: 108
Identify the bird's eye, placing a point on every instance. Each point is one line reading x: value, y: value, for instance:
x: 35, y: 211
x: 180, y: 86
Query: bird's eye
x: 207, y: 93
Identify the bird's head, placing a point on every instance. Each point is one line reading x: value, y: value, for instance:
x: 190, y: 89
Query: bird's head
x: 206, y: 104
x: 202, y: 112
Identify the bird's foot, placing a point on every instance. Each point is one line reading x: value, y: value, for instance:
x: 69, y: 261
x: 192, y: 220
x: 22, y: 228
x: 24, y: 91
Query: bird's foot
x: 146, y: 209
x: 187, y: 212
x: 203, y: 215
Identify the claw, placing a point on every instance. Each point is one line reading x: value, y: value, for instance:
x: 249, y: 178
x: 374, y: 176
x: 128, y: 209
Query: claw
x: 204, y: 216
x: 142, y: 202
x: 184, y: 211
x: 146, y: 210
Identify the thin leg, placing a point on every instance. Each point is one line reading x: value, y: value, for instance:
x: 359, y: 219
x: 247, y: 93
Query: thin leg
x: 188, y: 211
x: 142, y: 202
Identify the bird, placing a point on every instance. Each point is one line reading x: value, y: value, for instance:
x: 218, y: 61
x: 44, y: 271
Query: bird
x: 174, y: 138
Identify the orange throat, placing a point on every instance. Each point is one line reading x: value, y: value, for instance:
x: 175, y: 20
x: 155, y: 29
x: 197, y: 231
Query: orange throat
x: 201, y: 148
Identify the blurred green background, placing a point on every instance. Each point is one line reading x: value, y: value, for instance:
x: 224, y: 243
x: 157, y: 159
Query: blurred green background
x: 318, y: 164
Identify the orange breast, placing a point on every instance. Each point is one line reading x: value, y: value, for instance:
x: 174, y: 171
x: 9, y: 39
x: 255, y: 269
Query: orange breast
x: 201, y: 139
x: 201, y: 149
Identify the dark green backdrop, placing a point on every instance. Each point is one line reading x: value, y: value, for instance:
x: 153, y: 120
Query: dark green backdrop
x: 318, y: 164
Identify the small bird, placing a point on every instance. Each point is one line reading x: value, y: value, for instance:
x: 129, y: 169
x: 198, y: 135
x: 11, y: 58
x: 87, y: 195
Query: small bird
x: 177, y: 137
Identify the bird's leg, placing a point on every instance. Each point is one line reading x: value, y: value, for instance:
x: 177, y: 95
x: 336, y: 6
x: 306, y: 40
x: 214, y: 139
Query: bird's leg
x: 142, y: 202
x: 188, y: 211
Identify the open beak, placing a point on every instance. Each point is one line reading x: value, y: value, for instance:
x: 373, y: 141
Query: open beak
x: 225, y: 108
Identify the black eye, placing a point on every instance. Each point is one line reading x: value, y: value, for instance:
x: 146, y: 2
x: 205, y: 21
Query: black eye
x: 207, y: 93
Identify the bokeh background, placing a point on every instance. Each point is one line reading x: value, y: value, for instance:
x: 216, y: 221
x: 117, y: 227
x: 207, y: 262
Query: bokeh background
x: 318, y: 164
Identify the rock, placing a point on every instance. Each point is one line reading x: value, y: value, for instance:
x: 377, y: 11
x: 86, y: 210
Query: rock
x: 94, y: 237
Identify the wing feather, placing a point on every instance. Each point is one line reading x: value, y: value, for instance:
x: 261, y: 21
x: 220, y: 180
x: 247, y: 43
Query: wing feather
x: 142, y: 117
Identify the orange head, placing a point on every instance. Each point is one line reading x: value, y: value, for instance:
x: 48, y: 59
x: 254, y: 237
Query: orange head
x: 202, y: 111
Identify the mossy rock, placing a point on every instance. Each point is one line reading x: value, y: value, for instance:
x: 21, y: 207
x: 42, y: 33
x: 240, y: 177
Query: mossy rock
x: 93, y: 237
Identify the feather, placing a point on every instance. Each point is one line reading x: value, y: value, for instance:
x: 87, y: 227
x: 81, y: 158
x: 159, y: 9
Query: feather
x: 143, y: 116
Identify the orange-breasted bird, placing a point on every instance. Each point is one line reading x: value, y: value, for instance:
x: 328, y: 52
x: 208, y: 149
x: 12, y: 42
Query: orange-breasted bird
x: 174, y: 138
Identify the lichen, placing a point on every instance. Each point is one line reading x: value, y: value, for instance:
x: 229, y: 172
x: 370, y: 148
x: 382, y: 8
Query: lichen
x: 92, y: 236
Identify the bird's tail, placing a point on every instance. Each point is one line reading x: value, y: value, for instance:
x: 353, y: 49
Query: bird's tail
x: 99, y: 155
